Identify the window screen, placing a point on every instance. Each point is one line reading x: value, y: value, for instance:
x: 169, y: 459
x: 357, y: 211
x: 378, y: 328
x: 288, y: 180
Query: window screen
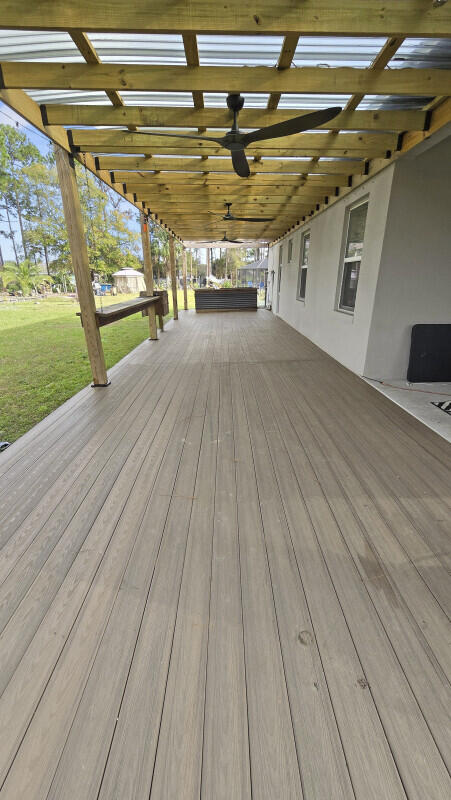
x: 356, y: 220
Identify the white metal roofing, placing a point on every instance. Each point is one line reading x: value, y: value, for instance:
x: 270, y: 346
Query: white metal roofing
x: 221, y: 50
x: 128, y: 272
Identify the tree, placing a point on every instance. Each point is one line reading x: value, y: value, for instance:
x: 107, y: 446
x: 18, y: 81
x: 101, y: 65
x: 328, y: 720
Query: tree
x: 25, y: 276
x: 3, y: 160
x: 44, y: 224
x: 159, y: 239
x: 33, y: 220
x: 19, y: 153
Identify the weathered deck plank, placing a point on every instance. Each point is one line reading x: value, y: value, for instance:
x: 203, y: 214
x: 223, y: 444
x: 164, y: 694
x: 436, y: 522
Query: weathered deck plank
x: 211, y: 585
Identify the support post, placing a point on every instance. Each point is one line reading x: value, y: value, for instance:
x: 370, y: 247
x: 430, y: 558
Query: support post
x: 173, y: 277
x: 185, y: 288
x: 148, y: 274
x: 80, y: 262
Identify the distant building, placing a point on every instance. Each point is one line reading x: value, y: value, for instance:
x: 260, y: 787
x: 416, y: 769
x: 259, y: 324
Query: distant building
x: 253, y: 274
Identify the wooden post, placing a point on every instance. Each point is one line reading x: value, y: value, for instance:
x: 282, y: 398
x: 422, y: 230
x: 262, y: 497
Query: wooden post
x: 185, y: 288
x: 80, y: 262
x: 173, y: 277
x: 148, y: 274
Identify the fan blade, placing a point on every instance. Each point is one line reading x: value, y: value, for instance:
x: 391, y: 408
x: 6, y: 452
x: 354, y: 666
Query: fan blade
x: 291, y: 126
x: 177, y: 136
x: 254, y: 219
x: 240, y: 164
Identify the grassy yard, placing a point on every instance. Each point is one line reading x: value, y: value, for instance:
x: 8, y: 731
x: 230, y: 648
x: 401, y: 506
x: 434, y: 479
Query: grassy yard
x: 43, y: 359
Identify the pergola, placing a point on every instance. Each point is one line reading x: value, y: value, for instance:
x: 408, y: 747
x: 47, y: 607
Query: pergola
x: 386, y: 110
x: 227, y: 576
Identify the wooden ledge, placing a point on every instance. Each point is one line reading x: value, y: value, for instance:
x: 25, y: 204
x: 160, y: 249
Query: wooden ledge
x: 104, y: 316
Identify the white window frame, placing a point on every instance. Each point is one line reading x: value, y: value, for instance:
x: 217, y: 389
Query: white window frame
x: 344, y: 260
x: 279, y: 274
x: 303, y: 267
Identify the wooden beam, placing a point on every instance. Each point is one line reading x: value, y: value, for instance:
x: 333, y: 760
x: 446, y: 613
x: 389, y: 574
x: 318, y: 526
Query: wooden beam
x: 207, y: 204
x: 380, y: 62
x: 286, y: 57
x: 97, y: 139
x: 204, y: 194
x: 210, y: 205
x: 218, y: 118
x: 185, y: 288
x: 80, y: 263
x: 148, y: 273
x: 192, y: 60
x: 278, y: 153
x: 173, y: 277
x: 173, y: 181
x: 418, y: 18
x: 135, y: 77
x: 350, y: 166
x: 440, y: 116
x: 89, y: 54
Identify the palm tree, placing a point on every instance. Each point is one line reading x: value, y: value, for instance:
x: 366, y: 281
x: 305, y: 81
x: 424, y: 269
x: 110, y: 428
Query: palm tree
x: 24, y: 275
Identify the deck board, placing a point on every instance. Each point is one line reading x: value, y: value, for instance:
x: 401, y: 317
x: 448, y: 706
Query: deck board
x: 226, y: 576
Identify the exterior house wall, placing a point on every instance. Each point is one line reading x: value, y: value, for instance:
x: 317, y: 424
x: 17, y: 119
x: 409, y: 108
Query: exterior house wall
x: 405, y: 273
x: 414, y: 283
x: 344, y: 336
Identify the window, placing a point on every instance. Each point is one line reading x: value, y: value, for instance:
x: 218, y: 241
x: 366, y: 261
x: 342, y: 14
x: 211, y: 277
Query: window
x: 355, y: 232
x: 303, y: 265
x: 290, y: 250
x: 279, y: 271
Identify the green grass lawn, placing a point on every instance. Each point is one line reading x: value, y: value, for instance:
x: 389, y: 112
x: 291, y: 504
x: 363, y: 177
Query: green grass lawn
x: 43, y: 358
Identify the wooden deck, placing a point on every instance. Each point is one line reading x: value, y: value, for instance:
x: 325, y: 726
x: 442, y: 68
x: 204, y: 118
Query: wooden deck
x: 226, y: 576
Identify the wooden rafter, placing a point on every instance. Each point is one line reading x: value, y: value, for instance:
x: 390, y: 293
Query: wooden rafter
x: 380, y: 62
x: 90, y: 55
x: 180, y: 182
x: 192, y: 60
x: 286, y: 57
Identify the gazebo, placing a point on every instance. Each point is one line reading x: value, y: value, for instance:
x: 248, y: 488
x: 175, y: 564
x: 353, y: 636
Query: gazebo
x: 129, y: 281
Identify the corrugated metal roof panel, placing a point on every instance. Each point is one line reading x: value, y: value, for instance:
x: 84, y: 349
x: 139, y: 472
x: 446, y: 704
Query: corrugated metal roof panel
x: 37, y: 46
x: 147, y: 48
x: 334, y: 51
x: 223, y: 50
x: 251, y: 51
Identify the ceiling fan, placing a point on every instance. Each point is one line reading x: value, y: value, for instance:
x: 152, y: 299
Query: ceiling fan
x: 224, y: 239
x: 236, y: 142
x: 228, y: 217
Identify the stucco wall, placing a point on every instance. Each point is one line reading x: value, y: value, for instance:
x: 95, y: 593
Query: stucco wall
x: 342, y: 335
x: 414, y: 283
